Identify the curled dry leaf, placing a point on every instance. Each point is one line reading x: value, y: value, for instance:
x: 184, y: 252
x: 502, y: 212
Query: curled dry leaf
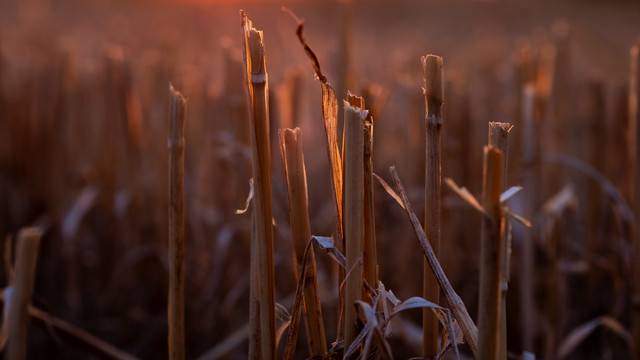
x: 249, y: 197
x: 328, y: 245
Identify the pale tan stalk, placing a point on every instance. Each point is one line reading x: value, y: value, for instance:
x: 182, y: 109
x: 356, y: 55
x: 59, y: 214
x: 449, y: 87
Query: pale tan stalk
x: 292, y: 156
x: 434, y: 98
x: 499, y: 138
x: 490, y: 257
x: 634, y: 128
x: 353, y: 215
x: 25, y: 272
x: 176, y: 225
x: 456, y: 305
x: 262, y: 287
x: 370, y: 254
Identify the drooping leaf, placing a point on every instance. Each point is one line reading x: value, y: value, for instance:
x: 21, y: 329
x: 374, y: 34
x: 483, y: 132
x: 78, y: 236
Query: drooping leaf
x: 517, y: 217
x: 465, y: 195
x: 413, y: 303
x: 328, y: 245
x: 510, y: 193
x: 389, y: 190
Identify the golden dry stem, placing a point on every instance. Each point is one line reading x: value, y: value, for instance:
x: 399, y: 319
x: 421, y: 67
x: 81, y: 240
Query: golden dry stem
x: 292, y: 156
x: 262, y: 287
x: 353, y: 215
x: 490, y: 257
x: 499, y: 138
x: 370, y: 254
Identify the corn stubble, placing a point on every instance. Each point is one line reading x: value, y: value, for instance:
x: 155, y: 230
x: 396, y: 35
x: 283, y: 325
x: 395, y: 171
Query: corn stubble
x: 433, y: 73
x: 28, y: 244
x: 542, y: 102
x: 354, y: 117
x: 634, y: 128
x: 499, y: 139
x: 291, y: 148
x: 262, y: 296
x: 491, y: 256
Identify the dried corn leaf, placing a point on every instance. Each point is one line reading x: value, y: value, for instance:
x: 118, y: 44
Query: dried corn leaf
x: 443, y: 314
x: 382, y: 292
x: 330, y: 115
x: 465, y: 195
x: 281, y: 329
x: 582, y: 332
x: 328, y: 245
x: 509, y: 193
x: 389, y: 190
x: 607, y: 186
x: 368, y: 334
x: 414, y: 303
x: 517, y: 217
x: 447, y: 342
